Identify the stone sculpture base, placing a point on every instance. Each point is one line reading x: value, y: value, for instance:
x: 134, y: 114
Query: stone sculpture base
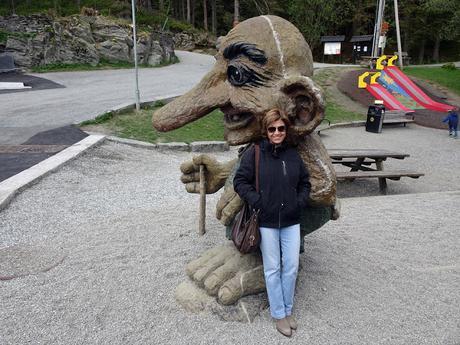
x: 195, y: 299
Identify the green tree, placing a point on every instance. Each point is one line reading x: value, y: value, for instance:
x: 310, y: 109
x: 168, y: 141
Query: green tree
x: 313, y: 18
x: 444, y: 22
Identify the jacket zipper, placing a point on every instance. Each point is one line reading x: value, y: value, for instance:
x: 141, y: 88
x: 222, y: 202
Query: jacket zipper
x: 282, y: 204
x: 279, y: 217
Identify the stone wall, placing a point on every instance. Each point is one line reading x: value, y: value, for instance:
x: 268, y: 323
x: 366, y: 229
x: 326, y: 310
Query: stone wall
x: 39, y: 40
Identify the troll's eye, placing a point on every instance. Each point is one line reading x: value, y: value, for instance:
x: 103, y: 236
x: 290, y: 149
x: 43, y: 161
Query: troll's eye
x: 237, y: 75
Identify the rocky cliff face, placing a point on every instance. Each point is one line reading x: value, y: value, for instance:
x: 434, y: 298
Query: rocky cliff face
x: 39, y: 40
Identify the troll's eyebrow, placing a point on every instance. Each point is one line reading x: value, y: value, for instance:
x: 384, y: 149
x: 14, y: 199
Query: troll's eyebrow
x: 247, y: 49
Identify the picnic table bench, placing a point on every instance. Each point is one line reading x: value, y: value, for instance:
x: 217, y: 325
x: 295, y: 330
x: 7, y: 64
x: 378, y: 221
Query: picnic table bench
x: 360, y: 163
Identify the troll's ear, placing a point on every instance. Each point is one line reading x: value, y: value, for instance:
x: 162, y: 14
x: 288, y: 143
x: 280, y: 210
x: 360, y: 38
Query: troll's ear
x: 306, y: 105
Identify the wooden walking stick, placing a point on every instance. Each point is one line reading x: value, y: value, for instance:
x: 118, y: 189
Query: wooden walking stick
x: 202, y: 222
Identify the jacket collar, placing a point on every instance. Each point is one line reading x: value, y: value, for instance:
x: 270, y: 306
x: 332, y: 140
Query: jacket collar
x: 266, y: 145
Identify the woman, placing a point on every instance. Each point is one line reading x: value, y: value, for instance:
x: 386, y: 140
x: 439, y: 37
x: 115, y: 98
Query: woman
x: 283, y: 191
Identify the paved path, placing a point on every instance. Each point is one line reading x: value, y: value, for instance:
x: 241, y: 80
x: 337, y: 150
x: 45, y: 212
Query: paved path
x: 90, y: 93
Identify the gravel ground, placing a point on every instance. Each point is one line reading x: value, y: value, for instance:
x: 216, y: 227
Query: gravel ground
x: 387, y: 272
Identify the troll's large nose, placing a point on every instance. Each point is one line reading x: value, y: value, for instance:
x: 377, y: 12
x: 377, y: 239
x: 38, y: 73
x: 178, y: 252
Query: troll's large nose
x: 209, y: 94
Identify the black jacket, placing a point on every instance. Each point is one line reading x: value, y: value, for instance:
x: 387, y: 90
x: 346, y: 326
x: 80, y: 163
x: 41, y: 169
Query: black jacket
x: 283, y: 184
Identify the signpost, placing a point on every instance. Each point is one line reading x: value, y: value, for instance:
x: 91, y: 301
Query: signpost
x: 332, y: 48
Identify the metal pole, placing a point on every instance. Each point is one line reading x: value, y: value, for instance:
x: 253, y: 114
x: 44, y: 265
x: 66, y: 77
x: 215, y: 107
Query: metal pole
x: 398, y: 35
x: 135, y: 55
x: 378, y: 28
x: 374, y: 39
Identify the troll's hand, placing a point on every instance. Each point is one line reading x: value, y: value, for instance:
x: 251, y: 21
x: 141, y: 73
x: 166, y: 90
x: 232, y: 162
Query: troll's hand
x: 215, y: 173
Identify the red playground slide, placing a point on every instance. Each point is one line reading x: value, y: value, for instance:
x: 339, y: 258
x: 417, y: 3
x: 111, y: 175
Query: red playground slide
x: 414, y: 91
x: 389, y: 101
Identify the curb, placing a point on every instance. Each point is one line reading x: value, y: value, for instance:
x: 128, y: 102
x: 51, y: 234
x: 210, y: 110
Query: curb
x: 196, y: 146
x: 15, y: 184
x: 130, y: 106
x: 341, y: 125
x: 357, y: 123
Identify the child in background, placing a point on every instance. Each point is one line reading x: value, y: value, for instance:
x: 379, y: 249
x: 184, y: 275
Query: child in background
x: 452, y: 121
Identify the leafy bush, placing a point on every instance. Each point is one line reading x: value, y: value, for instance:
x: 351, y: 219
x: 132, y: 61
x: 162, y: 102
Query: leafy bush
x: 178, y: 26
x: 449, y: 66
x: 5, y: 34
x: 118, y: 9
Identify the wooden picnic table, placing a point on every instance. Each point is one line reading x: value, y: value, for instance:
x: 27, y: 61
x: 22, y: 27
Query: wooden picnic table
x: 360, y: 162
x: 361, y: 159
x: 365, y: 153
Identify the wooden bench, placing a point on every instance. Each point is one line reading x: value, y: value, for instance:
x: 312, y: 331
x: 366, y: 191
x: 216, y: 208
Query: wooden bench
x: 394, y: 117
x: 398, y: 121
x: 382, y: 175
x: 360, y: 161
x: 374, y: 154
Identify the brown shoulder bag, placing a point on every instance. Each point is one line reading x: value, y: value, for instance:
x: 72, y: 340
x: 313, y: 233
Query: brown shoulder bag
x: 245, y: 230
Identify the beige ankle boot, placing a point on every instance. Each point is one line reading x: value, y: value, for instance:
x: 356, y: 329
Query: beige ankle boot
x: 282, y: 325
x: 292, y: 322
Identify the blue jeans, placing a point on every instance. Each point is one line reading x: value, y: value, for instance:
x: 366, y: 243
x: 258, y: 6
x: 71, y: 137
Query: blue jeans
x: 280, y: 253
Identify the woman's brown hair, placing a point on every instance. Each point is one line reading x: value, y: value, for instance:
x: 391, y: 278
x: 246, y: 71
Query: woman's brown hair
x: 274, y: 115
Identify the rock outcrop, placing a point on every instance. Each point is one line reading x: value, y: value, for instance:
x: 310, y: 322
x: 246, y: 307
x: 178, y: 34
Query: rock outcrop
x: 40, y: 39
x: 192, y: 41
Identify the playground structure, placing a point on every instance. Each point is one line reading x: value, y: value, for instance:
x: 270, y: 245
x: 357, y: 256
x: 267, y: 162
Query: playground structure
x: 391, y: 81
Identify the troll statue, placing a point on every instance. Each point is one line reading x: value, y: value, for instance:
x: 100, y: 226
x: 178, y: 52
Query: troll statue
x: 262, y: 63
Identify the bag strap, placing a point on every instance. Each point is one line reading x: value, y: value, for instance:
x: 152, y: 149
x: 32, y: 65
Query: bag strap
x: 257, y: 153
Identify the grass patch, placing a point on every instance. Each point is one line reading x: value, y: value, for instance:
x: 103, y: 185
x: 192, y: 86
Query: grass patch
x: 449, y: 78
x: 59, y: 67
x: 335, y: 113
x: 138, y: 125
x: 101, y: 119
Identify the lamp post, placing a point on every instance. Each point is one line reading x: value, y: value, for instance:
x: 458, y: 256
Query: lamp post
x: 133, y: 5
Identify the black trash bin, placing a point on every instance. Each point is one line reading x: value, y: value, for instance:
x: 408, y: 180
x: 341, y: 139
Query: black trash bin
x: 375, y: 115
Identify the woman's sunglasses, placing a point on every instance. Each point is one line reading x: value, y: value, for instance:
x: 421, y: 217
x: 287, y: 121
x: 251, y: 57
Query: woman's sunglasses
x: 280, y: 129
